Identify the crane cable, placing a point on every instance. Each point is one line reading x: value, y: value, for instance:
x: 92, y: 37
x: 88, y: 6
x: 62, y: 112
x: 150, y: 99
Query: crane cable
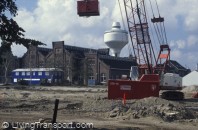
x: 154, y: 24
x: 152, y: 34
x: 164, y: 30
x: 129, y: 48
x: 160, y: 31
x: 147, y: 58
x: 154, y: 39
x: 157, y: 7
x: 121, y: 15
x: 127, y: 18
x: 165, y: 33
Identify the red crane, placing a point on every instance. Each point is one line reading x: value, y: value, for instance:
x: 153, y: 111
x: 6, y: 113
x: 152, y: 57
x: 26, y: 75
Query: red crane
x: 139, y: 34
x: 151, y: 69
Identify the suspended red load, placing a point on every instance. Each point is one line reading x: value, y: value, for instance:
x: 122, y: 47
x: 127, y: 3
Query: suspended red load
x: 88, y: 8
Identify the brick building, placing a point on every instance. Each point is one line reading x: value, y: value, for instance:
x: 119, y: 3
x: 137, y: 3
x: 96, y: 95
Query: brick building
x: 79, y: 64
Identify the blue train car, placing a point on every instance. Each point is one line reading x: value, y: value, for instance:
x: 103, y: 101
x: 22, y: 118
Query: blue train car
x: 37, y: 76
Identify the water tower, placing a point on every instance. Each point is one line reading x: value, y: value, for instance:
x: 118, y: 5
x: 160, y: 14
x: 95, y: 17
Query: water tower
x: 116, y: 38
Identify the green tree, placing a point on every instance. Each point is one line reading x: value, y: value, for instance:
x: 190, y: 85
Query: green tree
x: 10, y: 31
x: 7, y: 58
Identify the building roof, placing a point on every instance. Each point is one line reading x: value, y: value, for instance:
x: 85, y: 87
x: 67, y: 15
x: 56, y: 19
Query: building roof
x: 36, y: 69
x: 103, y: 51
x: 118, y: 62
x: 82, y: 49
x: 116, y: 58
x: 177, y: 65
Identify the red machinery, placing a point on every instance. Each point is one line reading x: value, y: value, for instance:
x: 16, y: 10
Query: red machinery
x: 88, y: 8
x: 146, y: 86
x: 195, y: 95
x: 151, y: 77
x: 148, y: 66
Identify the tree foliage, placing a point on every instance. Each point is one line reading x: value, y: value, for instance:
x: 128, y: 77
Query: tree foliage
x: 10, y: 31
x: 7, y: 58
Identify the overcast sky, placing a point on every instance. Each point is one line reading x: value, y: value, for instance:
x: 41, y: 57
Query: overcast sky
x: 55, y: 20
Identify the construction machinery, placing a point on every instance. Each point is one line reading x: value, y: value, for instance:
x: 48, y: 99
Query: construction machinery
x: 151, y: 75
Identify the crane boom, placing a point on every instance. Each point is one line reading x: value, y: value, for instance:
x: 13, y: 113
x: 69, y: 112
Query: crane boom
x: 139, y: 34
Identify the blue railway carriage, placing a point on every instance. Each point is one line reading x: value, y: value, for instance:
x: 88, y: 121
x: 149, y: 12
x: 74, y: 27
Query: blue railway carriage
x: 38, y: 76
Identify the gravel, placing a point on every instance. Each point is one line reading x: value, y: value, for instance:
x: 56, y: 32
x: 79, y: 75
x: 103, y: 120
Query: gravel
x: 156, y: 107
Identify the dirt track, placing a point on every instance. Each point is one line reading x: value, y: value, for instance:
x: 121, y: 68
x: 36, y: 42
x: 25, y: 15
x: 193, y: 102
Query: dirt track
x: 90, y: 105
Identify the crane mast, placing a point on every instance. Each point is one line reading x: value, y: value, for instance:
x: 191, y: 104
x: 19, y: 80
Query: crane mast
x: 139, y: 34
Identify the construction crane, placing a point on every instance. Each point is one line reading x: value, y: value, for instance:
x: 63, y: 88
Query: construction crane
x: 152, y: 73
x: 136, y: 15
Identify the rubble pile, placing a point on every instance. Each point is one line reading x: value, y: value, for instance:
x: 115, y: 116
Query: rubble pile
x: 190, y: 89
x: 152, y: 106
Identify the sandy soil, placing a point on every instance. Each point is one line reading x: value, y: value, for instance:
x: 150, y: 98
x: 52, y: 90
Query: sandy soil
x: 90, y: 105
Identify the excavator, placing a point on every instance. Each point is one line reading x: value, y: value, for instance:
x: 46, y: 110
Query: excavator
x: 151, y: 77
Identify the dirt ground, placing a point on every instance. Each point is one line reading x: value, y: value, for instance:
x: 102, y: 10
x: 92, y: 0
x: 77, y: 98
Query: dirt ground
x: 90, y: 105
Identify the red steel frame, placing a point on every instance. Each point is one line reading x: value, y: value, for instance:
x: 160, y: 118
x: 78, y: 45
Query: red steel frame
x: 162, y: 60
x: 142, y: 47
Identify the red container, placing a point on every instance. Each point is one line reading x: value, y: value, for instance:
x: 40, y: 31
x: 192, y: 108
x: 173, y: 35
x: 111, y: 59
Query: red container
x: 195, y: 95
x: 147, y: 86
x: 88, y: 8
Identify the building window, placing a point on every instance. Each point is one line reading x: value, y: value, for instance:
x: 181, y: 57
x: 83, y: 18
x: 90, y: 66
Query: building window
x: 16, y: 73
x: 34, y: 73
x: 23, y: 74
x: 91, y: 76
x: 47, y: 73
x: 41, y: 64
x: 15, y: 80
x: 58, y: 51
x: 103, y: 78
x: 28, y: 73
x: 39, y: 73
x: 91, y: 62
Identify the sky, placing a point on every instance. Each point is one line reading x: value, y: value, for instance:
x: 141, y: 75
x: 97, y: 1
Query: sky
x: 57, y: 20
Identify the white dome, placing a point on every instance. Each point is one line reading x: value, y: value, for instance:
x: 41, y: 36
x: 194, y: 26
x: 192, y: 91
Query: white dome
x: 116, y: 38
